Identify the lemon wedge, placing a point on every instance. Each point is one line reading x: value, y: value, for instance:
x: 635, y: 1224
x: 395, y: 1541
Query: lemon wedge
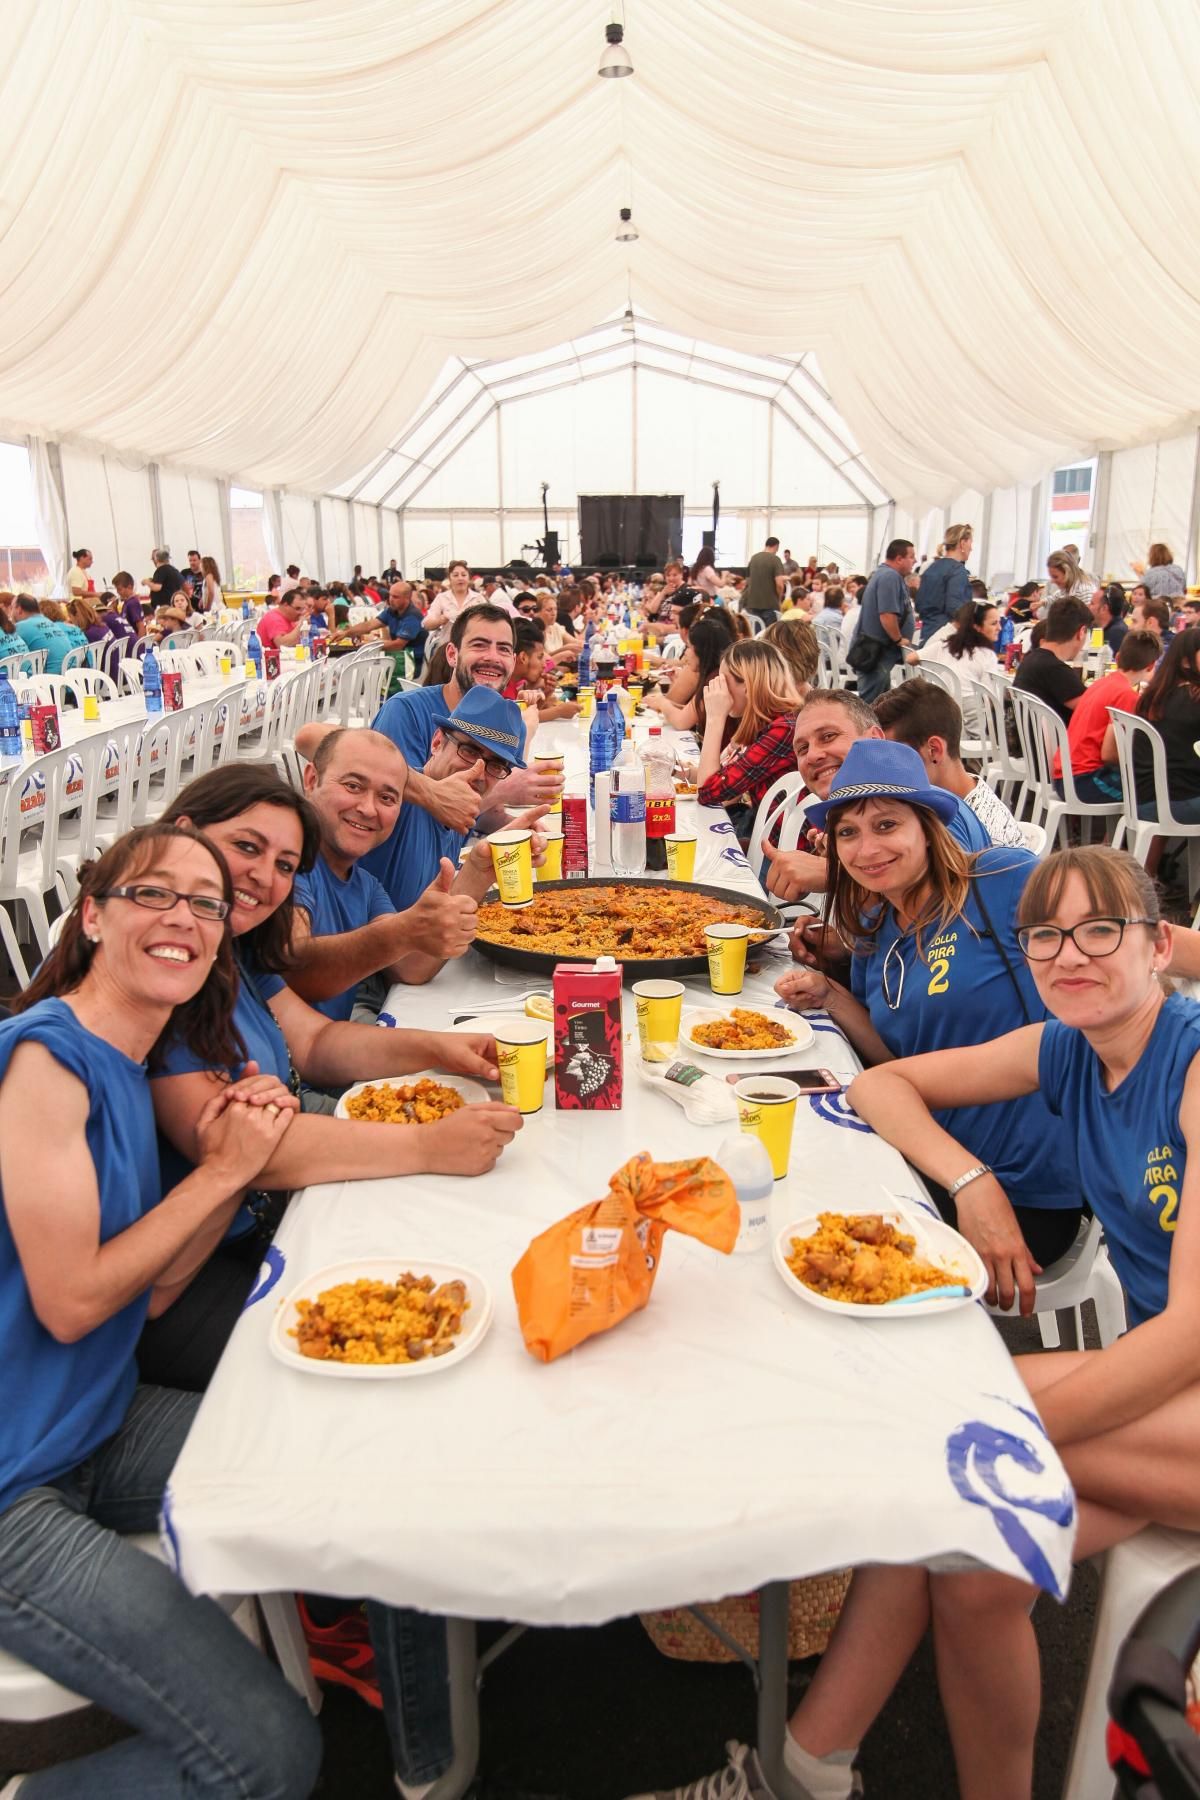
x: 539, y: 1006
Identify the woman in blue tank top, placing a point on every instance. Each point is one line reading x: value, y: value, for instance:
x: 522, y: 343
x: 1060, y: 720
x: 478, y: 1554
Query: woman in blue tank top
x: 89, y: 1246
x: 936, y: 966
x: 1117, y: 1064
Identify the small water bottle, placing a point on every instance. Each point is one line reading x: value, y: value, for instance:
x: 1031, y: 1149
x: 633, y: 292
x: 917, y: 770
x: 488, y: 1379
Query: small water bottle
x: 747, y: 1164
x: 245, y: 609
x: 10, y: 719
x: 305, y: 635
x: 601, y: 746
x: 628, y: 802
x: 151, y: 683
x: 254, y: 653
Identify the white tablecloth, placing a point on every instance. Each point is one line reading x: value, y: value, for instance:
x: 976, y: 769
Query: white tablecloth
x: 726, y: 1436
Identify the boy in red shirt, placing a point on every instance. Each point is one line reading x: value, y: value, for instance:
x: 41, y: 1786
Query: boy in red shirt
x: 1096, y: 777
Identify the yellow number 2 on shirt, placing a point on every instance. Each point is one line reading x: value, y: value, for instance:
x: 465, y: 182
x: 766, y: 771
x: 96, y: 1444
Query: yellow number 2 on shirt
x: 1168, y: 1199
x: 939, y: 970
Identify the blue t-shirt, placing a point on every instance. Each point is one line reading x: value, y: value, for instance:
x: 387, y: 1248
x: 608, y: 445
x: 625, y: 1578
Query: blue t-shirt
x: 408, y: 862
x: 968, y: 829
x: 334, y: 906
x: 405, y: 625
x: 264, y: 1045
x: 1128, y: 1145
x: 959, y: 993
x: 61, y: 1401
x: 408, y: 720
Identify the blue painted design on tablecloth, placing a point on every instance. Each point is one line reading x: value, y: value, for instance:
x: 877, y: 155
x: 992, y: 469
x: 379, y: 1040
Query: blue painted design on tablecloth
x: 835, y: 1109
x: 387, y: 1020
x: 273, y: 1265
x: 723, y: 825
x: 167, y: 1534
x: 973, y: 1452
x: 731, y: 855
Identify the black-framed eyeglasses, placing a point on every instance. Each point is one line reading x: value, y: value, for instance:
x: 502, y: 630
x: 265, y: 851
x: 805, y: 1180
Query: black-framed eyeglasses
x: 209, y: 907
x: 468, y: 752
x: 1092, y: 937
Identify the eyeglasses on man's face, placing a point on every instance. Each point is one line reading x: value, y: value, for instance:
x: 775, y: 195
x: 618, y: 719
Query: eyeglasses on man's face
x: 467, y: 752
x: 209, y: 907
x: 1091, y: 937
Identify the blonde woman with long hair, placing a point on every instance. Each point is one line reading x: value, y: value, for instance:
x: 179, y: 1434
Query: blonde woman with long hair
x: 795, y: 638
x: 754, y: 690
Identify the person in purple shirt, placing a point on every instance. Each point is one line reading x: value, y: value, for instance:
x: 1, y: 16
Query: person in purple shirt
x: 127, y: 600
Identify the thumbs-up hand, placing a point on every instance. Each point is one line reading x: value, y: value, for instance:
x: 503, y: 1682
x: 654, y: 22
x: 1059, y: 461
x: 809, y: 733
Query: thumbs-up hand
x: 457, y: 802
x: 441, y: 924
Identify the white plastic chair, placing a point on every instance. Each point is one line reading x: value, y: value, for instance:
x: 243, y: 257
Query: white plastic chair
x: 75, y: 659
x: 52, y: 690
x: 129, y: 675
x: 1042, y: 733
x: 365, y: 679
x: 34, y: 800
x: 1083, y: 1273
x: 27, y: 1696
x: 1131, y: 1574
x: 773, y: 806
x: 1133, y: 833
x: 23, y: 662
x: 1007, y: 772
x: 1034, y: 836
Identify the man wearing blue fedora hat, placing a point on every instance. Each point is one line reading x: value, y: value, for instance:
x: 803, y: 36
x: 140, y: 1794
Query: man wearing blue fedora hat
x: 482, y: 742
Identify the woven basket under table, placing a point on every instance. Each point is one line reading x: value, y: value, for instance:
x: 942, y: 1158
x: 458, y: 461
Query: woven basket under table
x: 813, y: 1608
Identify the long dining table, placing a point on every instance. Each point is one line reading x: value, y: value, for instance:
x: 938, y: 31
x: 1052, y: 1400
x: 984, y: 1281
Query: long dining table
x: 727, y: 1439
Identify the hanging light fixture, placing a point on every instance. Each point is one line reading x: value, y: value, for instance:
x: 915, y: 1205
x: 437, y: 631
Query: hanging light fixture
x: 615, y: 60
x: 628, y: 322
x: 627, y: 230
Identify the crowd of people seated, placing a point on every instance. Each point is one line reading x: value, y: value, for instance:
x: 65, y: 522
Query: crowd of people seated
x: 212, y: 993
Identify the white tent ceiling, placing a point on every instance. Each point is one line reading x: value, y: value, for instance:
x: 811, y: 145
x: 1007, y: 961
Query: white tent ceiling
x: 243, y: 236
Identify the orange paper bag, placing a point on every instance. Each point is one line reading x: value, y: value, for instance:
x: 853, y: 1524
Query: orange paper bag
x: 595, y: 1267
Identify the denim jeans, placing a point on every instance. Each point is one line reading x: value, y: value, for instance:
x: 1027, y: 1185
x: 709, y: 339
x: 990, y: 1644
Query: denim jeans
x: 413, y: 1670
x: 214, y: 1717
x: 876, y: 681
x: 1187, y: 811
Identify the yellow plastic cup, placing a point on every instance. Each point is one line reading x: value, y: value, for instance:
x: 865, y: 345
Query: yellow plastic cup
x: 226, y: 667
x: 521, y: 1058
x: 659, y: 1007
x: 635, y: 691
x: 249, y: 671
x: 91, y: 706
x: 586, y: 698
x: 681, y: 856
x: 551, y: 869
x: 727, y: 945
x: 550, y: 764
x: 512, y: 860
x: 767, y: 1110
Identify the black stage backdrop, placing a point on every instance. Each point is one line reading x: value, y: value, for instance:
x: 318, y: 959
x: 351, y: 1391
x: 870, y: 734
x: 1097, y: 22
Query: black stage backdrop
x: 622, y: 529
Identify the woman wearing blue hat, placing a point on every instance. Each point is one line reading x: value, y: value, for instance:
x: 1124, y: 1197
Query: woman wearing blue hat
x: 936, y: 966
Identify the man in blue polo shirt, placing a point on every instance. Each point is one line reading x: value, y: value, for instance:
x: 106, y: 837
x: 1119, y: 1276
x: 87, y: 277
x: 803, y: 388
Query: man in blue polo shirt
x: 347, y: 929
x: 402, y: 621
x: 886, y: 622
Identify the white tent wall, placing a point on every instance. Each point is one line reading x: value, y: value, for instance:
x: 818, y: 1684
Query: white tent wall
x: 299, y: 532
x: 365, y: 520
x: 109, y: 510
x: 1148, y: 495
x: 193, y: 518
x: 389, y: 526
x: 336, y: 559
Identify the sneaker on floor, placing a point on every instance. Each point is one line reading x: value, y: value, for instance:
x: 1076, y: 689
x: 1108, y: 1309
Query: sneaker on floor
x: 742, y: 1778
x: 342, y: 1654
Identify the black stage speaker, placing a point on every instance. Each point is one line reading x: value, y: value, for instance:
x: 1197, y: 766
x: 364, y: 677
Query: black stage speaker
x: 608, y: 561
x: 709, y: 541
x: 551, y: 549
x: 647, y: 562
x: 518, y: 562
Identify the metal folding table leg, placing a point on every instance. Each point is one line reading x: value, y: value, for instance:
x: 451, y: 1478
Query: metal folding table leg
x: 464, y: 1711
x: 772, y: 1688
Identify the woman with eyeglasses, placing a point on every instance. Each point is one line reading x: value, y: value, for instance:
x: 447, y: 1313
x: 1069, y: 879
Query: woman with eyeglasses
x: 1116, y: 1064
x: 90, y: 1246
x: 935, y: 965
x: 268, y: 835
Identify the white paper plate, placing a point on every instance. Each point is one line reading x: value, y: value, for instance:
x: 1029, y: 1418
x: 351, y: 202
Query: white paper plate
x: 494, y: 1022
x: 475, y: 1324
x: 937, y: 1242
x: 471, y: 1091
x: 802, y: 1034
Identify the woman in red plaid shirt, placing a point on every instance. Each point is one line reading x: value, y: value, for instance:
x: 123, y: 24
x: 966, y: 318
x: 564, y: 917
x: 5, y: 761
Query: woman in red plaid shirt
x: 754, y: 691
